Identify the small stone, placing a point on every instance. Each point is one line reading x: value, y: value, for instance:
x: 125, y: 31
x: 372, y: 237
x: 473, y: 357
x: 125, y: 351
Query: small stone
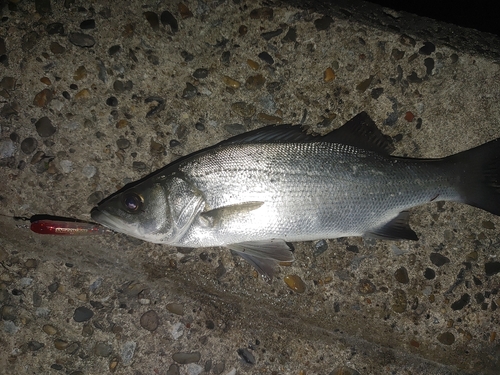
x: 43, y: 98
x: 87, y: 24
x: 7, y: 148
x: 264, y: 56
x: 113, y: 364
x: 226, y: 58
x: 429, y: 274
x: 128, y: 350
x: 168, y: 18
x: 60, y: 344
x: 8, y: 83
x: 185, y: 358
x: 243, y: 109
x: 446, y: 338
x: 35, y: 345
x: 461, y: 303
x: 363, y: 85
x: 53, y: 287
x: 113, y: 50
x: 122, y: 124
x: 173, y: 370
x: 429, y: 65
x: 49, y: 329
x: 80, y: 73
x: 81, y: 39
x: 396, y: 54
x: 271, y: 34
x: 66, y: 166
x: 187, y: 56
x: 29, y: 145
x: 254, y: 65
x: 365, y: 286
x: 190, y: 91
x: 323, y: 23
x: 414, y: 78
x: 43, y: 7
x: 200, y: 73
x: 153, y: 20
x: 123, y: 143
x: 149, y: 320
x: 228, y: 81
x: 82, y: 314
x: 103, y: 349
x: 55, y: 28
x: 438, y: 259
x: 409, y: 116
x: 3, y: 47
x: 427, y: 48
x: 320, y: 247
x: 45, y: 80
x: 184, y: 11
x: 255, y: 82
x: 492, y: 268
x: 401, y: 275
x: 175, y: 308
x: 112, y: 101
x: 263, y: 13
x: 268, y: 119
x: 235, y: 129
x: 488, y: 224
x: 83, y: 94
x: 89, y: 171
x: 139, y: 166
x: 29, y: 41
x: 291, y: 36
x: 174, y: 143
x: 30, y: 263
x: 295, y: 283
x: 8, y: 312
x: 246, y: 355
x: 242, y: 30
x: 399, y: 301
x: 407, y: 40
x: 44, y: 127
x: 329, y: 75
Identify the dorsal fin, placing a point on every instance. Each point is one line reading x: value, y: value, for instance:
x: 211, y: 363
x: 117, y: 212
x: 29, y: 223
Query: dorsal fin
x: 360, y: 132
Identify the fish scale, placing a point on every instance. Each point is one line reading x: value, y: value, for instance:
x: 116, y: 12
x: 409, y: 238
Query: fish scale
x: 309, y: 191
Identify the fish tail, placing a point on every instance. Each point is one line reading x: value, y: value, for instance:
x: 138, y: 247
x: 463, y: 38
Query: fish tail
x: 479, y: 176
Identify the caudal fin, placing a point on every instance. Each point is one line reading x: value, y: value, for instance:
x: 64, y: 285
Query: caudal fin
x: 479, y: 173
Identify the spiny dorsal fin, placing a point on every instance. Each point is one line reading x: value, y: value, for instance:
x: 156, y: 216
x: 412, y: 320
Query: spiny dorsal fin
x: 360, y: 132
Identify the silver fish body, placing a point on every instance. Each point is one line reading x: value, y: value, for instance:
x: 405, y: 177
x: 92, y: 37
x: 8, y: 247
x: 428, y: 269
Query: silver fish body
x: 255, y: 192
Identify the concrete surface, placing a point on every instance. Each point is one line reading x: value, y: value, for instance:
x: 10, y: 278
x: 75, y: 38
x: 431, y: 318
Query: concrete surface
x: 426, y: 307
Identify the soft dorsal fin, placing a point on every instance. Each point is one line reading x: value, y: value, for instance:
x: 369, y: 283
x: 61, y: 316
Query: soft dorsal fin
x: 396, y: 229
x: 360, y: 132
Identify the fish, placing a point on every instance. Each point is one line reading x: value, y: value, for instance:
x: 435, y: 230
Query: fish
x: 260, y: 191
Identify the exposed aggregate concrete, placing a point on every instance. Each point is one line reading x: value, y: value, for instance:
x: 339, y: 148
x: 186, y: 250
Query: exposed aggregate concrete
x: 94, y: 95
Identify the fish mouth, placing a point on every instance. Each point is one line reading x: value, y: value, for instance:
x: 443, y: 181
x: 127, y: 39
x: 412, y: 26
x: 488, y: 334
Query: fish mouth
x: 103, y: 218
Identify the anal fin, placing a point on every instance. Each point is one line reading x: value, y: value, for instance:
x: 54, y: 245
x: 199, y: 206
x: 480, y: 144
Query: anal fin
x: 264, y: 256
x: 396, y: 229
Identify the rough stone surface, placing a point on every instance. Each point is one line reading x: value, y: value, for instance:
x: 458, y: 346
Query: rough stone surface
x: 73, y: 305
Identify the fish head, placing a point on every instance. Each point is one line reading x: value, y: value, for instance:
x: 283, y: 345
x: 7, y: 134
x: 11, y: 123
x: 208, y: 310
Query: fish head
x: 159, y: 210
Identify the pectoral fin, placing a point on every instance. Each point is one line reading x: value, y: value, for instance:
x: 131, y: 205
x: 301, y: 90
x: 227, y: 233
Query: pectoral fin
x: 396, y: 229
x: 213, y: 217
x: 264, y: 256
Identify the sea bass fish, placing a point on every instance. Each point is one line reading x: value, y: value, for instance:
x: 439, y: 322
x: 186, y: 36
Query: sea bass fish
x: 257, y: 191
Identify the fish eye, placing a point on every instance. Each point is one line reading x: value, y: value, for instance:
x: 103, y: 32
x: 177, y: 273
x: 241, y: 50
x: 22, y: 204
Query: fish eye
x: 133, y: 202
